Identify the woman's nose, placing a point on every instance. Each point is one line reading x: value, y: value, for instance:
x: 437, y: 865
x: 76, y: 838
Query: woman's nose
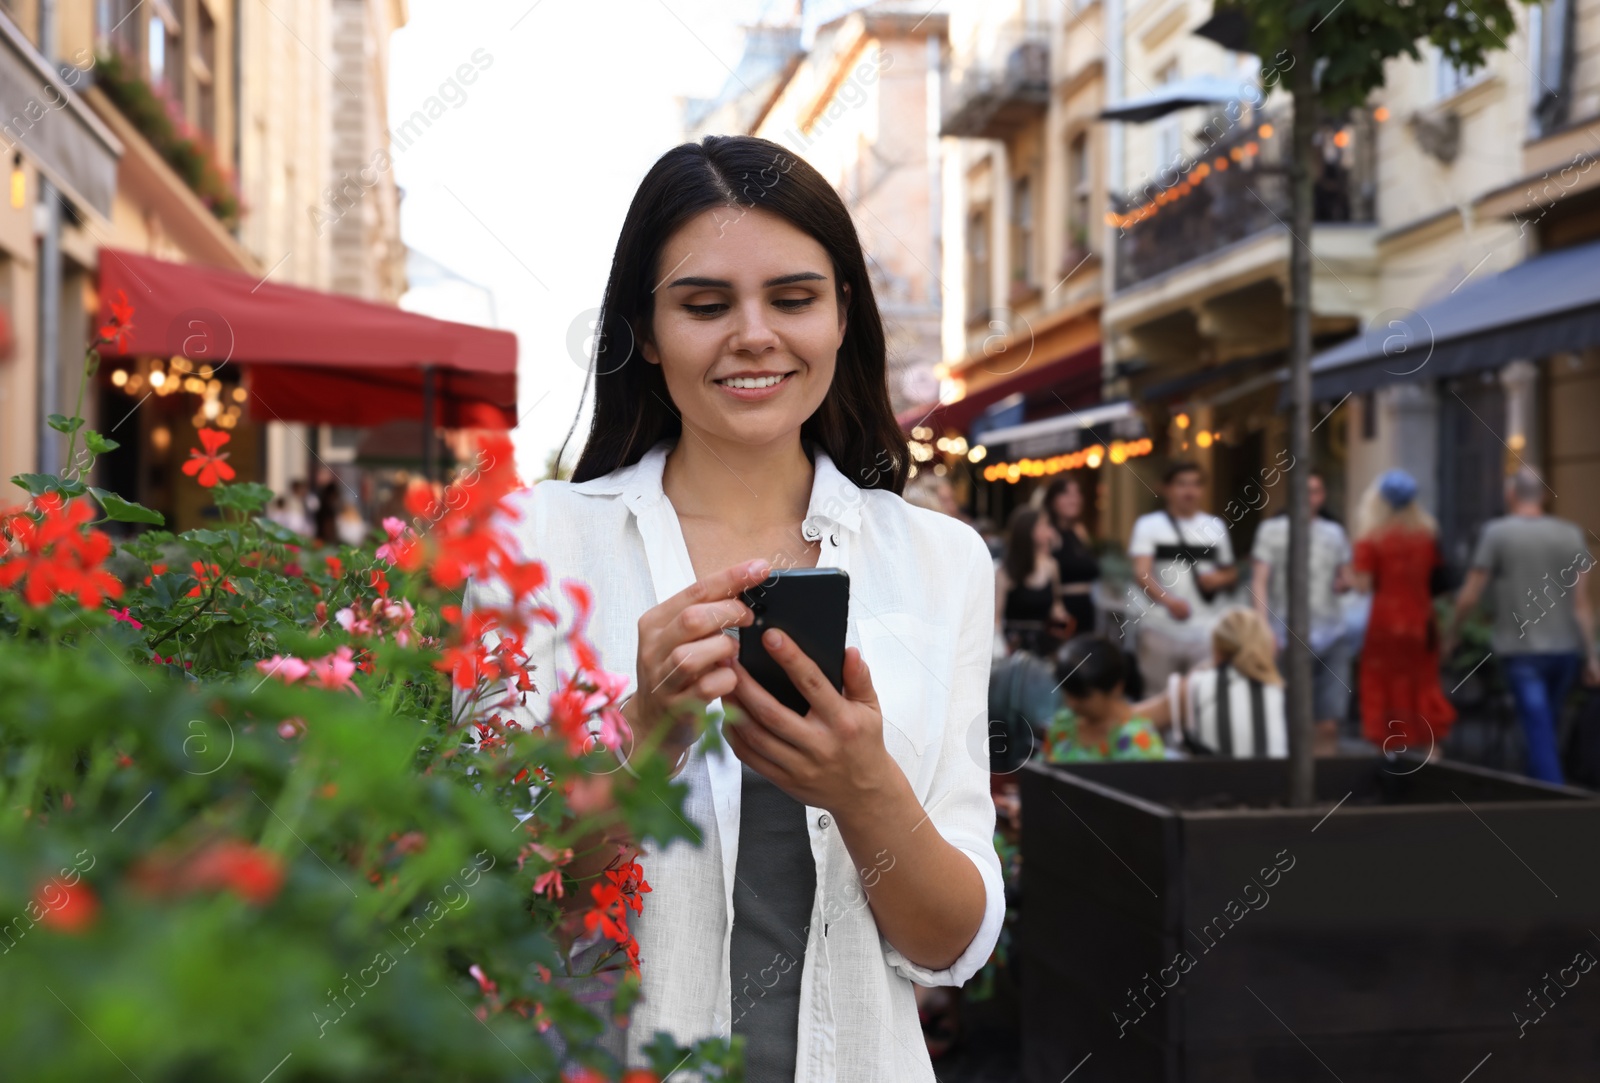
x: 753, y: 330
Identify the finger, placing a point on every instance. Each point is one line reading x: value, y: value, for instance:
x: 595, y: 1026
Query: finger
x: 718, y: 683
x: 803, y: 672
x: 770, y: 757
x: 727, y: 583
x: 687, y: 663
x: 762, y: 709
x: 708, y: 618
x: 858, y: 678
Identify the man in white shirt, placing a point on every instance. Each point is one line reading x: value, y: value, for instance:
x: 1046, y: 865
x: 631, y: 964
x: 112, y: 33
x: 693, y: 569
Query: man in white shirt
x: 1330, y: 646
x: 1183, y: 562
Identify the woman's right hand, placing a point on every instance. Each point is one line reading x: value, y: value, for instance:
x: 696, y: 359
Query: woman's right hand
x: 684, y: 659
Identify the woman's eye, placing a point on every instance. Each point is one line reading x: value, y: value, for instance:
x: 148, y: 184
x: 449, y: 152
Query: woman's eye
x: 794, y: 304
x: 705, y: 310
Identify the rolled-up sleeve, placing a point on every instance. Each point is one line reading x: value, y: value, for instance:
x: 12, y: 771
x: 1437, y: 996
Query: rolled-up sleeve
x: 958, y: 802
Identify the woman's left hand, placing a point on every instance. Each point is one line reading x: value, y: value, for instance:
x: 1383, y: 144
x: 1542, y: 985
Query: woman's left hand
x: 832, y: 758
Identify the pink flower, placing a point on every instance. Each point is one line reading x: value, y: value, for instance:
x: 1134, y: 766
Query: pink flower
x: 334, y: 671
x: 396, y: 529
x: 550, y: 882
x: 286, y: 668
x: 124, y: 617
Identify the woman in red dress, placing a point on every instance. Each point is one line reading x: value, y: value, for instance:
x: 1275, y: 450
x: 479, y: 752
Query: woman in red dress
x: 1403, y: 706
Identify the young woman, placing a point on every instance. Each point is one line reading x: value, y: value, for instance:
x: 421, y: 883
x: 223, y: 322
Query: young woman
x: 1234, y: 706
x: 1076, y: 563
x: 1097, y: 721
x: 1028, y: 609
x: 1403, y: 705
x: 741, y: 424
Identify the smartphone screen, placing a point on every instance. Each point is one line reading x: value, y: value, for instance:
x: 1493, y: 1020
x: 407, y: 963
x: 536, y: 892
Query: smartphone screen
x: 811, y: 606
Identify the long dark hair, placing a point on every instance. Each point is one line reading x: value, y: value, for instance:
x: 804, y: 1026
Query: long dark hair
x: 855, y: 424
x: 1021, y: 556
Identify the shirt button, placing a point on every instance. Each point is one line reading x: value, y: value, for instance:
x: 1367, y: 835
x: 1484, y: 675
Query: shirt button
x: 823, y: 821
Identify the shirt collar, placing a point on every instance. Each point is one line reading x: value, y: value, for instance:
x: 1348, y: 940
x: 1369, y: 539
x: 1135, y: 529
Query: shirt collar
x: 835, y: 499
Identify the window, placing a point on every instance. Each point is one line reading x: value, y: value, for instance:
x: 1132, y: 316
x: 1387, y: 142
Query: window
x: 115, y: 27
x: 166, y: 59
x: 1080, y: 185
x: 1550, y: 58
x: 978, y: 264
x: 1450, y: 79
x: 1022, y: 230
x: 206, y: 72
x: 1169, y: 129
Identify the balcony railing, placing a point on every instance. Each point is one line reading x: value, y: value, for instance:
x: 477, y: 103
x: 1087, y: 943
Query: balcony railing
x: 1002, y: 90
x: 1238, y: 188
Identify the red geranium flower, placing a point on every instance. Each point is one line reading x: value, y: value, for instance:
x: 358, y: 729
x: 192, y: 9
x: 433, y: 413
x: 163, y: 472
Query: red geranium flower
x: 211, y: 466
x: 119, y: 328
x: 54, y: 555
x: 207, y: 574
x: 67, y: 909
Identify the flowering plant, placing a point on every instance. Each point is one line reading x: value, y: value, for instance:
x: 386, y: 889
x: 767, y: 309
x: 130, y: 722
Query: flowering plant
x: 266, y: 811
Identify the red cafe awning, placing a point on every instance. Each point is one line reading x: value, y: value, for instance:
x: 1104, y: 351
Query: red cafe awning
x: 1080, y: 368
x: 312, y: 356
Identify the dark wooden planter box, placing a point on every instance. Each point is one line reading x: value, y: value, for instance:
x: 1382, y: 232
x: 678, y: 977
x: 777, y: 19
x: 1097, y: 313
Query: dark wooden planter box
x: 1388, y: 942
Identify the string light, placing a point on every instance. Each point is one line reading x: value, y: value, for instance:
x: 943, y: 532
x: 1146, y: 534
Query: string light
x: 1381, y: 114
x: 1119, y: 452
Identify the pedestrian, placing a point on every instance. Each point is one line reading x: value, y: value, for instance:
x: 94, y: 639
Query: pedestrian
x: 1077, y: 566
x: 934, y: 492
x: 1183, y: 562
x: 330, y: 502
x: 1029, y: 609
x: 1397, y: 554
x: 1234, y: 706
x: 1329, y: 642
x: 1096, y: 721
x: 289, y: 512
x: 742, y: 423
x: 1537, y: 567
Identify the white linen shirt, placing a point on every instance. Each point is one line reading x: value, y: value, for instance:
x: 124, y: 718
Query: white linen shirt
x: 921, y: 612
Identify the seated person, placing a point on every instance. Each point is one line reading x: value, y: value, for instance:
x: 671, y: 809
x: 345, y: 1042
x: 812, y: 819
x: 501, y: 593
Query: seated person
x: 1234, y: 707
x: 1098, y: 722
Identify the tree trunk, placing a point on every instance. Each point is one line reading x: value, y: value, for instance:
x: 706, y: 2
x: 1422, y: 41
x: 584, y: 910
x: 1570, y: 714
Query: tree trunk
x: 1302, y: 164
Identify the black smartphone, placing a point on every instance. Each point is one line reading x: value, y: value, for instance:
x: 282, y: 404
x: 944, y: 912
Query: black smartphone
x: 811, y: 606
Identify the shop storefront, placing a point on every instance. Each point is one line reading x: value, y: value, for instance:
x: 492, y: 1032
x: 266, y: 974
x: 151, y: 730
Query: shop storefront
x: 216, y: 349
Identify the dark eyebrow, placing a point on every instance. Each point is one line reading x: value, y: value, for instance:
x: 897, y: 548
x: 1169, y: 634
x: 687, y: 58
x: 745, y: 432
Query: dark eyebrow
x: 718, y: 283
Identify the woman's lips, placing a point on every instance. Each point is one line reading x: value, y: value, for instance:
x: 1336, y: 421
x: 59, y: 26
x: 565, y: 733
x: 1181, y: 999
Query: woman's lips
x: 756, y: 394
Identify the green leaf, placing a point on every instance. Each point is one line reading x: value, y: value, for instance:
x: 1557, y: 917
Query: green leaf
x: 99, y: 444
x: 37, y: 484
x: 223, y: 644
x: 62, y: 423
x: 246, y: 496
x: 171, y: 588
x: 278, y: 532
x: 208, y: 538
x: 126, y: 511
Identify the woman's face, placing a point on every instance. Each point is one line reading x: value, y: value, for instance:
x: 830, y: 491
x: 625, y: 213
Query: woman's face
x: 1069, y: 503
x: 1044, y: 535
x: 745, y: 296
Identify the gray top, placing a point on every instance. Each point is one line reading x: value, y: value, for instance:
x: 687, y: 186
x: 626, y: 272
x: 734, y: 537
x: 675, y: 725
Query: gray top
x: 1533, y: 564
x: 775, y: 884
x: 1330, y: 548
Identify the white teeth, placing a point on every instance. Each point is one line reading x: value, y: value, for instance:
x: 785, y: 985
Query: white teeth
x: 751, y: 381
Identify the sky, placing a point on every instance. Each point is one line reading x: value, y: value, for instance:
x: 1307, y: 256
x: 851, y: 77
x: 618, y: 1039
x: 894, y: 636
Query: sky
x: 521, y: 185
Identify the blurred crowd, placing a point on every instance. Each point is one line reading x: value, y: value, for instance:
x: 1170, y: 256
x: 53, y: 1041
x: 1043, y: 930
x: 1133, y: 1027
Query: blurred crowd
x: 1188, y: 659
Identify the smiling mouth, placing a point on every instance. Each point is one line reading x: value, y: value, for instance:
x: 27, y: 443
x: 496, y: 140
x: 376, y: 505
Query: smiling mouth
x: 753, y: 382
